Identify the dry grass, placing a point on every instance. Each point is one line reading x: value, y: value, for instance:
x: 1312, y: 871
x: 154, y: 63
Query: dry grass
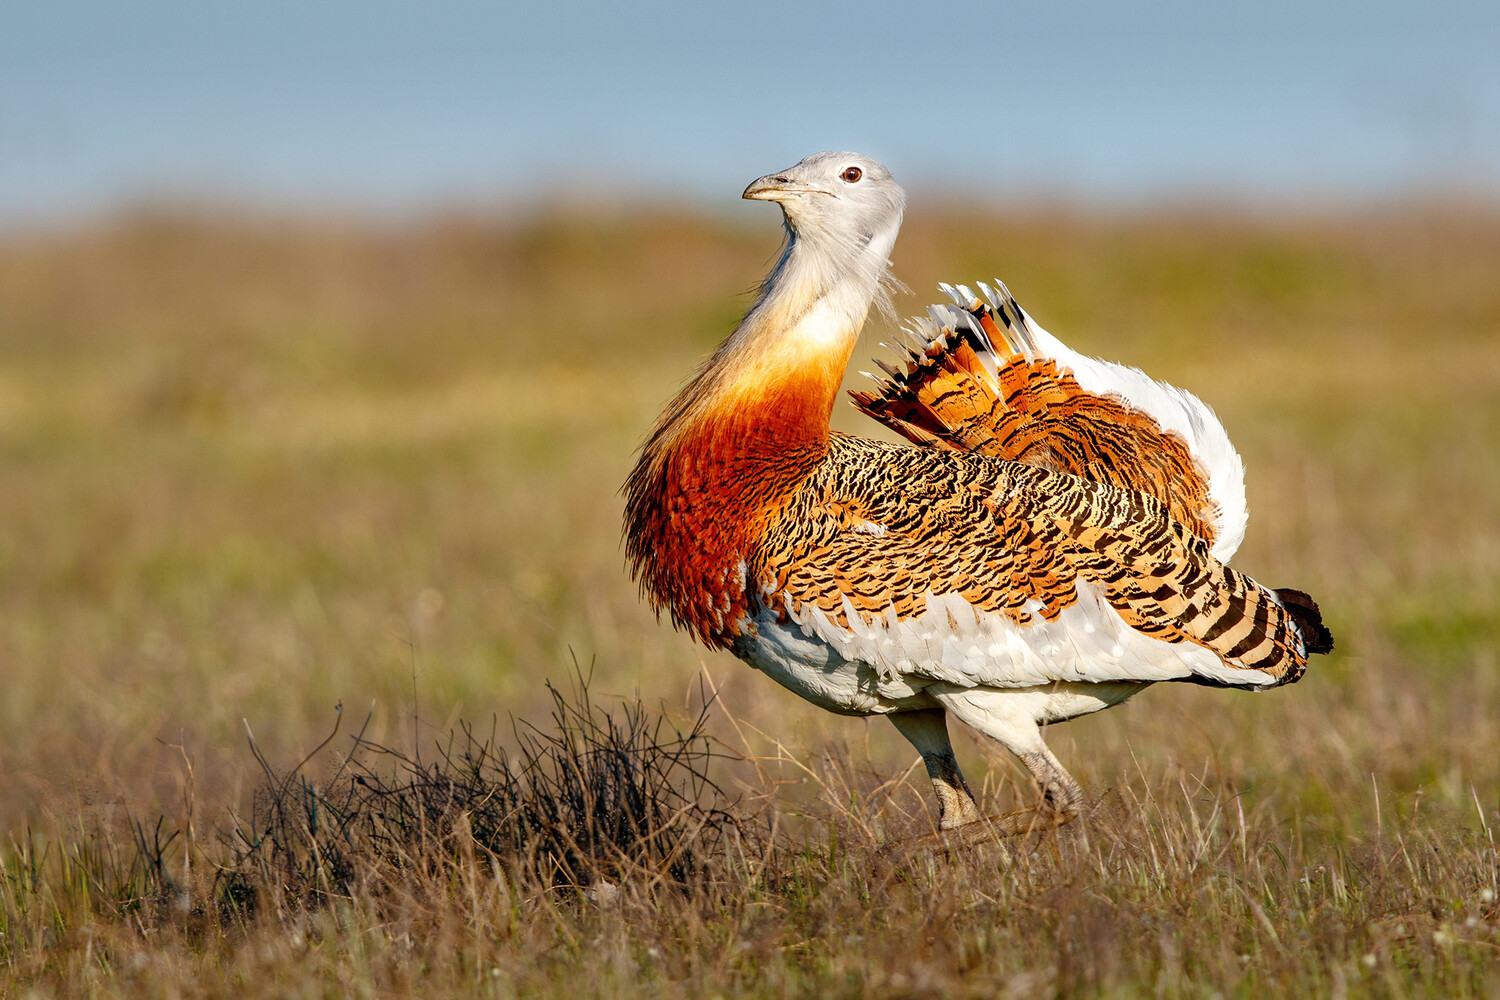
x: 259, y: 468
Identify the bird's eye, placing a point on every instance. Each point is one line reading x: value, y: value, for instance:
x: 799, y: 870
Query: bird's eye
x: 852, y: 174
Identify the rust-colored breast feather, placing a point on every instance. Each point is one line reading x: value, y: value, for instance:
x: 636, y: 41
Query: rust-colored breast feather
x: 878, y: 527
x: 1028, y: 410
x: 699, y: 501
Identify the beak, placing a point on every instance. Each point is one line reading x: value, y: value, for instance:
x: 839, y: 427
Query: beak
x: 775, y: 187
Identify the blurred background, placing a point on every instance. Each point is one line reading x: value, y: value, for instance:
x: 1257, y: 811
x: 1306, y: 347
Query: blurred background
x: 388, y: 108
x: 328, y: 331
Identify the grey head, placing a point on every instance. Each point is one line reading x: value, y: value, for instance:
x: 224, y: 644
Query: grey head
x: 846, y: 198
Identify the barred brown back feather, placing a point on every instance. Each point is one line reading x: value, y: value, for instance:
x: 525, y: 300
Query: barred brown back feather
x: 877, y: 527
x: 1028, y: 410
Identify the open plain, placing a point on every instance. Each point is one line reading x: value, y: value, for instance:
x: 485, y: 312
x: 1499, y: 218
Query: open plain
x: 256, y: 468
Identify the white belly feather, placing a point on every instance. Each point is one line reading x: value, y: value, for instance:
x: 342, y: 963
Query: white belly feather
x: 887, y: 665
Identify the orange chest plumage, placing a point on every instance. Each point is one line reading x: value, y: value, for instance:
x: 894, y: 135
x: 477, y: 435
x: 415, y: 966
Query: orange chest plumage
x: 699, y: 508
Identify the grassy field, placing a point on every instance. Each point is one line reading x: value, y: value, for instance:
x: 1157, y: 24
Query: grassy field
x: 258, y: 468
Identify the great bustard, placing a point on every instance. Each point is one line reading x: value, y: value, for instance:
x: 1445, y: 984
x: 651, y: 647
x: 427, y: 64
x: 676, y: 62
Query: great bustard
x: 1057, y: 543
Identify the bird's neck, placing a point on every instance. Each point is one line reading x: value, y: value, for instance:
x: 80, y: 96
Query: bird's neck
x: 742, y: 436
x: 772, y: 384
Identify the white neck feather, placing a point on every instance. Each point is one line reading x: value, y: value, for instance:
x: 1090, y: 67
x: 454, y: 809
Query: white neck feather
x: 805, y: 321
x: 821, y: 289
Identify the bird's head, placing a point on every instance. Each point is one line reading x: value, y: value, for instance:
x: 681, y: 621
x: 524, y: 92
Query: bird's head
x: 843, y: 198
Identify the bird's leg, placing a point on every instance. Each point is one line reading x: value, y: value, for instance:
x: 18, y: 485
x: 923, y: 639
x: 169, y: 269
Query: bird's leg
x: 1011, y: 719
x: 1062, y: 801
x: 927, y: 729
x: 1059, y: 790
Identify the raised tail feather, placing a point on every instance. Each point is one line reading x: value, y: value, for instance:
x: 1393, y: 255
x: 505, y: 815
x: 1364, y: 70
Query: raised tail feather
x: 975, y: 380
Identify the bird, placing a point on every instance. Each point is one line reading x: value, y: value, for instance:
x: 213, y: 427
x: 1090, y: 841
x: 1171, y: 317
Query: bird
x: 1052, y: 537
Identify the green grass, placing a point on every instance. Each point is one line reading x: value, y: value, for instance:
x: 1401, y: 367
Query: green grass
x: 257, y: 468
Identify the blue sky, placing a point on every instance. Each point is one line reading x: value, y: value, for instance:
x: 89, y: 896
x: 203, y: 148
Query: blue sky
x: 394, y: 107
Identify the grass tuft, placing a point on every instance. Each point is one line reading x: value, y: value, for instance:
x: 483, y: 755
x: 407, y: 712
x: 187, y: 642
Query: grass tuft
x: 598, y: 798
